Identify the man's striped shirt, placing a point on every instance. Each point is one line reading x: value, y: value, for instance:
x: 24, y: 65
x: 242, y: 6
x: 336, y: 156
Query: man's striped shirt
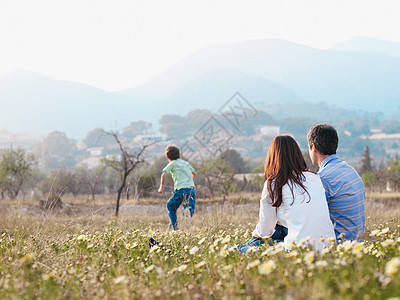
x: 345, y: 194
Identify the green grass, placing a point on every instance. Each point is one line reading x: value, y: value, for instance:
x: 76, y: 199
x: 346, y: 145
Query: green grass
x: 61, y: 257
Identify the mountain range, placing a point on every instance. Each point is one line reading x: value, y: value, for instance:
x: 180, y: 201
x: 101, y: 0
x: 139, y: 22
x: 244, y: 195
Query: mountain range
x: 361, y: 74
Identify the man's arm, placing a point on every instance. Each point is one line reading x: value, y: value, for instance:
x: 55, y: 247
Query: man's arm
x: 162, y: 181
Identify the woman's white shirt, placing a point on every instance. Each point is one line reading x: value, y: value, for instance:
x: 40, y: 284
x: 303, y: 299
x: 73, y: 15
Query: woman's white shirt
x: 304, y: 216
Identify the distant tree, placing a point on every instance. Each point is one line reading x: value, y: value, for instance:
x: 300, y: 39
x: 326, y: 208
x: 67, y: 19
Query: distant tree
x: 358, y: 126
x: 155, y: 169
x: 165, y: 119
x: 97, y: 138
x: 175, y: 127
x: 262, y: 118
x: 393, y: 174
x: 197, y: 118
x: 205, y: 170
x: 60, y: 182
x: 57, y: 150
x: 145, y: 185
x: 381, y: 176
x: 298, y: 125
x: 35, y: 177
x: 370, y: 180
x: 366, y: 161
x: 142, y: 181
x: 218, y: 176
x: 15, y: 166
x: 111, y: 179
x: 250, y: 125
x: 136, y: 128
x: 234, y: 160
x: 391, y: 126
x: 259, y: 179
x: 358, y: 145
x: 158, y: 165
x: 125, y: 163
x: 92, y: 178
x: 363, y: 126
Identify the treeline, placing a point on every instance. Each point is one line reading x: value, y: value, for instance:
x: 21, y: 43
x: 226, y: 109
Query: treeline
x: 20, y: 175
x: 58, y: 164
x: 56, y: 149
x: 380, y: 177
x: 218, y: 176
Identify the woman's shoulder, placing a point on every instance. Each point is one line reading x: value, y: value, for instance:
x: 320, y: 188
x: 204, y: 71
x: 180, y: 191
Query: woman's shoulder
x: 313, y: 181
x: 309, y: 175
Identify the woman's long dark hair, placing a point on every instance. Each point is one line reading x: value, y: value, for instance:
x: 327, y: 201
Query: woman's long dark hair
x: 284, y: 164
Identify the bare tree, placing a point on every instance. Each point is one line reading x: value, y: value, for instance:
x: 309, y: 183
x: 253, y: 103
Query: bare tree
x: 218, y: 175
x: 366, y: 161
x: 91, y: 177
x: 126, y: 163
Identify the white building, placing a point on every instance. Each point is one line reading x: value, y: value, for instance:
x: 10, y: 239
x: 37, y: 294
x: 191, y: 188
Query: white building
x: 270, y: 130
x: 150, y: 137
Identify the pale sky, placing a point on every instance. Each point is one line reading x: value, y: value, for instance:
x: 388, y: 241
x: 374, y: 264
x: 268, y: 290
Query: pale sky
x: 118, y: 44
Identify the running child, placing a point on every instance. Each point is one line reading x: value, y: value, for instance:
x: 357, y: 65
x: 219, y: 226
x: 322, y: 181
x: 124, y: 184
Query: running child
x: 184, y: 176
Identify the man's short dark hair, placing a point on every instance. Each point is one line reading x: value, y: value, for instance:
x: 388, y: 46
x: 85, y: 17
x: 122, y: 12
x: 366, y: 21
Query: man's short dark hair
x: 172, y: 152
x: 324, y: 137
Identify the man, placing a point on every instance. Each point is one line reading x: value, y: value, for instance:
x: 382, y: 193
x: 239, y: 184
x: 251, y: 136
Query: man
x: 344, y: 188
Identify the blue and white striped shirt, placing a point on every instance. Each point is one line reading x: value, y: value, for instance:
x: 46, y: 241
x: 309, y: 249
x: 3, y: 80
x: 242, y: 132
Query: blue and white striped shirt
x: 345, y: 194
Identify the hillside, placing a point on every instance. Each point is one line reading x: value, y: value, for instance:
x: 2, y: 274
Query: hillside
x: 268, y: 73
x: 361, y: 43
x: 213, y: 88
x: 40, y: 104
x: 353, y: 80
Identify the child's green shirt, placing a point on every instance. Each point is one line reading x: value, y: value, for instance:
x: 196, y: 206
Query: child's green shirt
x: 181, y: 172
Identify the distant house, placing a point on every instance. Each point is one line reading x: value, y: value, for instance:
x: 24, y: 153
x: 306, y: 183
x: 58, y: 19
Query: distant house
x: 156, y: 136
x: 95, y: 151
x: 90, y: 162
x: 385, y: 136
x: 8, y: 139
x: 270, y: 131
x: 94, y: 159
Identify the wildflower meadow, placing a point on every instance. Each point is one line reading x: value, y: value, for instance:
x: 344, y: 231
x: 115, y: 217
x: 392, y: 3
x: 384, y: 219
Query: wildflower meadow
x: 103, y: 257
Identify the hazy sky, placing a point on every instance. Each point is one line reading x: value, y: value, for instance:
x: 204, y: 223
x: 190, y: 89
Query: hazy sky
x: 118, y: 44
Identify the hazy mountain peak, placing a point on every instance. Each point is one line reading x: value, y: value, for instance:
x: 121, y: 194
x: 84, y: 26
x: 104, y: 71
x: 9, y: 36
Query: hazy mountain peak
x: 264, y: 71
x: 41, y: 104
x: 361, y: 43
x: 25, y: 77
x: 249, y: 56
x: 22, y: 76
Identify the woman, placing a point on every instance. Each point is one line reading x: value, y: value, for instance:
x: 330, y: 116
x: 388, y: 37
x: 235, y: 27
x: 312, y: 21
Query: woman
x: 292, y: 196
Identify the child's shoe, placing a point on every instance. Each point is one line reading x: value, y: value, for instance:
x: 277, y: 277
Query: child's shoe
x: 152, y: 242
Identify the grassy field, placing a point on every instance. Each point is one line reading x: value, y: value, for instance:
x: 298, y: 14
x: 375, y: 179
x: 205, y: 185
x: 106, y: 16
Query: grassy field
x: 90, y: 255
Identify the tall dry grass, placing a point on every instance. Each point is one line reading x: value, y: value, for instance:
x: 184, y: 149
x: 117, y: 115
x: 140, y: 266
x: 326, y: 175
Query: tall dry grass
x: 25, y: 218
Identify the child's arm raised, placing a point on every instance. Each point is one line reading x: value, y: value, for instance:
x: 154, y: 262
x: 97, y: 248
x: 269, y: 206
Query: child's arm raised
x: 162, y: 181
